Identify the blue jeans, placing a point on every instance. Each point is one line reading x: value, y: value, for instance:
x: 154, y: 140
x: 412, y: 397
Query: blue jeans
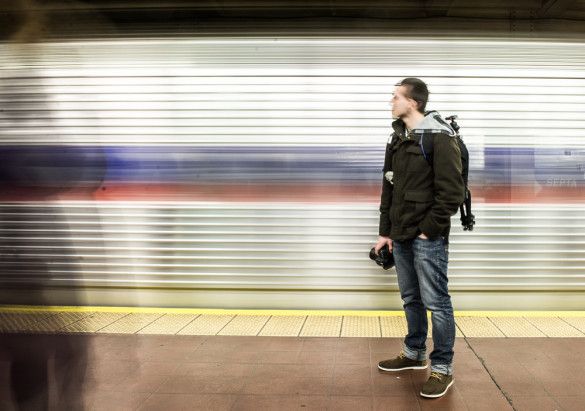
x: 421, y: 266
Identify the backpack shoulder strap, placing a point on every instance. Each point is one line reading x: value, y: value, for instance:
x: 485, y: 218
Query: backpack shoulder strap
x: 426, y: 143
x: 427, y: 146
x: 464, y: 160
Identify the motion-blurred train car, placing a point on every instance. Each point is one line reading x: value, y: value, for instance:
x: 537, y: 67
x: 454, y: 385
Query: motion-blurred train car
x: 245, y: 172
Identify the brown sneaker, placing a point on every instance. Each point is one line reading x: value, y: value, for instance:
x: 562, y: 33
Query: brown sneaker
x: 437, y: 385
x: 402, y: 363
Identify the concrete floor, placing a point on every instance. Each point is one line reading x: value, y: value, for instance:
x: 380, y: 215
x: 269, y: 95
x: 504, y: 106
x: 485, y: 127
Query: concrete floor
x: 171, y: 372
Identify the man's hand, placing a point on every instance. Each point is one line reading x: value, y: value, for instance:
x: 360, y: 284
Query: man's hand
x: 382, y: 241
x: 423, y: 237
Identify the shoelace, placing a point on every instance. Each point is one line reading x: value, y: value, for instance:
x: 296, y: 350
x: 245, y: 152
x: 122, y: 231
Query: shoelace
x: 436, y: 375
x: 401, y: 355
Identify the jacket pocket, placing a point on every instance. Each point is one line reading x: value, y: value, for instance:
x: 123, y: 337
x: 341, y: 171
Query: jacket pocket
x: 417, y: 163
x: 416, y: 205
x: 414, y: 149
x: 418, y: 196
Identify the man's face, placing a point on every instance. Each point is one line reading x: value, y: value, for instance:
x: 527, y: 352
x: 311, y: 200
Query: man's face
x: 401, y: 104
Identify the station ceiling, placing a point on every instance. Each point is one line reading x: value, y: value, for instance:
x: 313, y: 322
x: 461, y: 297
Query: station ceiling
x: 68, y: 18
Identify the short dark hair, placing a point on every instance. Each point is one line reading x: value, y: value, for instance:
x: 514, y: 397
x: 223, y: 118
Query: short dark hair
x: 416, y: 90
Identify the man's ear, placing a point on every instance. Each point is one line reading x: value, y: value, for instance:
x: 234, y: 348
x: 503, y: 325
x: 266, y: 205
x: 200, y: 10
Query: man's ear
x: 413, y: 104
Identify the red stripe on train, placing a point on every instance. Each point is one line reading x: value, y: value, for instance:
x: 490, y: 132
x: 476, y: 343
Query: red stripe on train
x: 311, y: 193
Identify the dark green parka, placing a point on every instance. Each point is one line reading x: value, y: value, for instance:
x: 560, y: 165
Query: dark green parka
x: 421, y: 190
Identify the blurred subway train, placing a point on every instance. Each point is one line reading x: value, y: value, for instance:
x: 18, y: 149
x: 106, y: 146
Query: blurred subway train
x: 245, y: 172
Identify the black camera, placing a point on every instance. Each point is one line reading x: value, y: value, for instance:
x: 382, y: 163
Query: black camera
x: 384, y: 258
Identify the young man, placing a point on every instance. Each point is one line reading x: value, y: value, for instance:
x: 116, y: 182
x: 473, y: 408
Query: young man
x: 421, y: 191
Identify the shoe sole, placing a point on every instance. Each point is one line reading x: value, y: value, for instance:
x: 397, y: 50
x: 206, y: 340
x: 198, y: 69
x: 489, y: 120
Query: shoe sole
x: 437, y: 395
x: 417, y: 367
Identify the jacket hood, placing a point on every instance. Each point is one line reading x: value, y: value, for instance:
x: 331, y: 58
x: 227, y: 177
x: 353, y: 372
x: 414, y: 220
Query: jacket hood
x: 431, y: 123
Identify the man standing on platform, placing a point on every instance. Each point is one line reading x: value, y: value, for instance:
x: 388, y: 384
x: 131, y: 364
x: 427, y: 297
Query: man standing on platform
x: 422, y: 188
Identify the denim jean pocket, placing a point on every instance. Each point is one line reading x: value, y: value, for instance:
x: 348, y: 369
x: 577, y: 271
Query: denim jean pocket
x: 431, y: 242
x: 435, y: 248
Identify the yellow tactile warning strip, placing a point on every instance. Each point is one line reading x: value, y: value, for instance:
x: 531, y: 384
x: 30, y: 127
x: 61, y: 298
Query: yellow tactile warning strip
x: 478, y: 327
x: 321, y: 326
x: 168, y: 324
x: 283, y: 326
x: 206, y: 324
x: 393, y: 326
x: 93, y: 322
x: 353, y: 326
x: 245, y: 325
x: 576, y: 322
x: 60, y: 320
x: 15, y: 319
x: 130, y: 324
x: 517, y: 327
x: 25, y: 321
x: 554, y: 327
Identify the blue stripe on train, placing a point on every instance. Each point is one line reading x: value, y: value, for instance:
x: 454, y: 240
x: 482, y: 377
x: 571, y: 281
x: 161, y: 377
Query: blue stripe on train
x: 91, y: 165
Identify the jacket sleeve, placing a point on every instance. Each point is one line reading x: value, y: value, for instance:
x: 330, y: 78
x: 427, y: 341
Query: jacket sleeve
x: 386, y: 200
x: 449, y: 189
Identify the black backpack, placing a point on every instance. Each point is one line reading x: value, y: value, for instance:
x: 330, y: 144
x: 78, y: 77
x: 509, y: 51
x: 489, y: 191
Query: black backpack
x: 467, y: 218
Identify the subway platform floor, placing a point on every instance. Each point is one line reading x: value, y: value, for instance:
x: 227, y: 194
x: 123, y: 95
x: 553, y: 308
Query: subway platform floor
x: 107, y: 369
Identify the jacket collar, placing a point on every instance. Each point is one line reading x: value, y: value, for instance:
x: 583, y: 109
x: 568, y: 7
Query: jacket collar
x: 431, y: 123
